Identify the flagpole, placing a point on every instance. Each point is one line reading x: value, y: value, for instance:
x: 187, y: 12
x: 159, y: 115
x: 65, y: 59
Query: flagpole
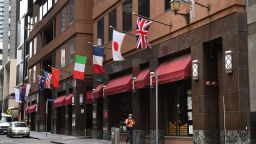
x: 122, y: 31
x: 170, y: 25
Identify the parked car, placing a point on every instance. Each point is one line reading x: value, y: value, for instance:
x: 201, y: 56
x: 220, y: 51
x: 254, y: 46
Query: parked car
x: 18, y: 129
x: 5, y: 121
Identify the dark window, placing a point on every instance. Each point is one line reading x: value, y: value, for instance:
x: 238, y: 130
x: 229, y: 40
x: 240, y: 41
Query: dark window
x: 63, y: 19
x: 167, y: 4
x: 144, y: 7
x: 72, y: 10
x: 112, y: 22
x: 100, y: 29
x: 127, y: 15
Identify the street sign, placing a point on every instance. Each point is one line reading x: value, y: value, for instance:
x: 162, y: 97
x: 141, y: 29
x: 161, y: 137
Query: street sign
x: 50, y: 100
x: 9, y: 112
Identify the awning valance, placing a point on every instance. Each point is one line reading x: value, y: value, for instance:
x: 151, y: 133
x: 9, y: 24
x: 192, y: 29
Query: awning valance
x: 60, y: 101
x: 31, y: 109
x: 142, y: 79
x: 119, y: 85
x: 98, y: 91
x: 89, y: 97
x: 174, y: 70
x: 68, y: 99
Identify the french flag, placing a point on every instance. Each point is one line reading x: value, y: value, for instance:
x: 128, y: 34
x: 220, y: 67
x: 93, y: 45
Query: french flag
x: 98, y: 53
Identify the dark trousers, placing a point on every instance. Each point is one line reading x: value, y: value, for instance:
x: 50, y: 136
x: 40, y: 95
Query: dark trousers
x: 130, y: 135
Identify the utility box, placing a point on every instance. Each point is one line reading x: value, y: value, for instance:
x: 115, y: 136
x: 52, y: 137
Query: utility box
x: 115, y: 135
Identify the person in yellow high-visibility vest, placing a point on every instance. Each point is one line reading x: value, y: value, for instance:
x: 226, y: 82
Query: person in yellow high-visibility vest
x: 129, y: 122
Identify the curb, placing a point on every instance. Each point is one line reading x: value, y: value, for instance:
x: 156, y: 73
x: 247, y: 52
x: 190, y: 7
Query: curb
x: 35, y: 138
x: 56, y: 142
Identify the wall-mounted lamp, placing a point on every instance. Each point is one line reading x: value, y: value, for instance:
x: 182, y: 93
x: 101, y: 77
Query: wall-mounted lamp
x: 195, y: 70
x: 175, y: 7
x: 133, y: 83
x: 93, y: 90
x: 152, y: 74
x: 228, y: 61
x: 103, y: 89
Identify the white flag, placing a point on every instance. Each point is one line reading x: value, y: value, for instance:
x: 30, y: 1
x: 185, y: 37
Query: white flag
x: 17, y: 95
x: 27, y: 89
x: 116, y: 45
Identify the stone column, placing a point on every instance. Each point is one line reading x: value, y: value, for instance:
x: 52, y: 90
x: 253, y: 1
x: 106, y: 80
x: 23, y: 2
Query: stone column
x: 204, y: 100
x: 106, y: 127
x: 251, y: 24
x: 236, y: 88
x: 97, y: 118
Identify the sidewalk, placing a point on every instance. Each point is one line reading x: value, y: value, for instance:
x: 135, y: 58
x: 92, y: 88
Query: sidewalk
x: 64, y: 139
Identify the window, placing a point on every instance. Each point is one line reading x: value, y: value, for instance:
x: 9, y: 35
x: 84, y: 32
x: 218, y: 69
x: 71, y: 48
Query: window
x: 167, y: 4
x: 35, y: 45
x: 49, y: 4
x: 112, y: 22
x: 127, y: 15
x: 144, y: 7
x: 34, y: 74
x: 71, y: 50
x: 72, y: 10
x: 45, y: 8
x: 29, y: 75
x: 40, y: 13
x: 100, y: 29
x: 63, y: 19
x: 30, y: 49
x: 62, y: 62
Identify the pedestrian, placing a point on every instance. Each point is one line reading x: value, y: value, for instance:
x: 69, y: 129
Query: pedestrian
x: 129, y: 122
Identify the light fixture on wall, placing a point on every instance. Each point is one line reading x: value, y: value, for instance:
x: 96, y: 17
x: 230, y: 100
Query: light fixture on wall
x: 175, y: 7
x: 103, y: 89
x: 93, y: 90
x: 133, y: 83
x: 195, y: 70
x: 228, y: 61
x: 152, y: 74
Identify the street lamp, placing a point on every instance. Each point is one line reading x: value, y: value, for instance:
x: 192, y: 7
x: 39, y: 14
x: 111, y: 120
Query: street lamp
x: 175, y: 7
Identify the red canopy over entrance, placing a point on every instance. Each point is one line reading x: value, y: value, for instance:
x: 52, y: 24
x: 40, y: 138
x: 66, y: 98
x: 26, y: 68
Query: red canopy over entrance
x: 60, y: 101
x: 98, y: 91
x: 174, y: 70
x: 142, y: 79
x: 68, y: 99
x: 119, y: 85
x: 89, y: 97
x: 31, y: 108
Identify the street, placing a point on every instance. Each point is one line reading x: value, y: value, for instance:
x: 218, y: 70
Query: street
x: 19, y: 140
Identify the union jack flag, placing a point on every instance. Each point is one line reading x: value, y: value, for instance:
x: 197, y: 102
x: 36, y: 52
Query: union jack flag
x: 142, y: 33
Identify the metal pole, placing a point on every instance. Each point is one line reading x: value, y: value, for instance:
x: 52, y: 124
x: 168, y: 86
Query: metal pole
x: 156, y: 75
x: 46, y: 112
x: 224, y: 119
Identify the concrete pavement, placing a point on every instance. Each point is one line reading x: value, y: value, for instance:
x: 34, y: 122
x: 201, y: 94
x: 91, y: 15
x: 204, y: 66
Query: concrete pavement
x: 64, y: 139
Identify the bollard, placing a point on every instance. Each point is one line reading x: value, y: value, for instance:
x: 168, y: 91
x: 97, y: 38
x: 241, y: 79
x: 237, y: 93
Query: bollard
x: 115, y: 135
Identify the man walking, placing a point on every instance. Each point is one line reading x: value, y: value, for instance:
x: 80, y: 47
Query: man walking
x: 129, y: 122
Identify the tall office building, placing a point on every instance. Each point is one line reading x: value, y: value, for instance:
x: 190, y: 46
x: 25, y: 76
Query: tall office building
x: 10, y: 17
x: 1, y: 19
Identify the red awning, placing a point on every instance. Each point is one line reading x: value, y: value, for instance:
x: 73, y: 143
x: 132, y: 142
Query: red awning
x: 68, y: 99
x: 60, y: 101
x: 142, y: 79
x: 31, y: 108
x: 119, y: 85
x: 98, y: 91
x: 174, y: 70
x: 89, y: 97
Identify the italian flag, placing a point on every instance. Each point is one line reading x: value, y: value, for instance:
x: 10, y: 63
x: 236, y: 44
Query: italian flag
x: 80, y: 62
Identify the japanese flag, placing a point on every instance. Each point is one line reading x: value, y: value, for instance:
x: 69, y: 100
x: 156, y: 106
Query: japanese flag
x: 116, y: 45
